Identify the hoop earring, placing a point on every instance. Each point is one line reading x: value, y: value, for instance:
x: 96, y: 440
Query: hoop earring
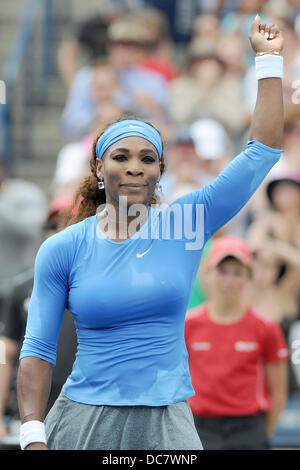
x: 101, y: 184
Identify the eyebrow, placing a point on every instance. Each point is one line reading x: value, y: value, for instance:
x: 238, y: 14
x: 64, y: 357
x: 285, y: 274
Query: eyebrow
x: 126, y: 150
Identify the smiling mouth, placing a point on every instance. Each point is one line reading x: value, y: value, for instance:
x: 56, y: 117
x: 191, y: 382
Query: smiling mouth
x: 134, y: 185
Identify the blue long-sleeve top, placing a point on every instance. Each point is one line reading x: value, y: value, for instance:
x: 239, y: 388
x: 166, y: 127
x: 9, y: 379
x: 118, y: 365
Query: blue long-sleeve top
x: 129, y: 298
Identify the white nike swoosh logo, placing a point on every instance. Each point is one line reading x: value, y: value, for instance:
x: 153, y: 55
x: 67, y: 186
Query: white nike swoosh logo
x: 140, y: 255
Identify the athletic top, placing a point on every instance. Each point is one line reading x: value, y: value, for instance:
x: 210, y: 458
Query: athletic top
x: 129, y: 298
x: 227, y: 362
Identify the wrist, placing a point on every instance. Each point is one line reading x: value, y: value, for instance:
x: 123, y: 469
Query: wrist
x: 269, y: 66
x: 32, y: 432
x: 261, y: 53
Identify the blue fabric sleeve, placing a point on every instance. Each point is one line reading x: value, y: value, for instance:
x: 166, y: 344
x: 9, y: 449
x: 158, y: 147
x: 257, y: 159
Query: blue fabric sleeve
x: 48, y: 300
x: 226, y: 195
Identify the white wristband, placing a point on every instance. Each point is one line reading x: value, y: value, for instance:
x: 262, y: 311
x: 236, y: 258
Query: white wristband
x: 269, y: 66
x: 32, y: 431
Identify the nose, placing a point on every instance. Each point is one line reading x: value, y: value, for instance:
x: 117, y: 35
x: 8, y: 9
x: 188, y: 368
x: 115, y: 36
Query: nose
x: 134, y: 170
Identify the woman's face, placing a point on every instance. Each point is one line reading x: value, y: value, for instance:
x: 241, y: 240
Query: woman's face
x: 130, y: 168
x: 286, y: 197
x: 229, y: 279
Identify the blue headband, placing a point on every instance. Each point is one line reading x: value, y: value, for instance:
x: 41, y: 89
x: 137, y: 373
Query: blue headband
x: 128, y: 128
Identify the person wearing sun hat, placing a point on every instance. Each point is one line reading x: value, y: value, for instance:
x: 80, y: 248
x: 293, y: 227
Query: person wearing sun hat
x: 236, y: 356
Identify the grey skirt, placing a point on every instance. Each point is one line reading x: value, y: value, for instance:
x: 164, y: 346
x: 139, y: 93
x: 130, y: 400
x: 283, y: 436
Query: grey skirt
x: 76, y: 426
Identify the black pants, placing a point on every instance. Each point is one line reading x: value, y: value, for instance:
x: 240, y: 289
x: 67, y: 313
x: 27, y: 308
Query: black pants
x: 233, y: 433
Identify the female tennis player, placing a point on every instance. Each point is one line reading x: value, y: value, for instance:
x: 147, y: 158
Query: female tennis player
x: 127, y: 281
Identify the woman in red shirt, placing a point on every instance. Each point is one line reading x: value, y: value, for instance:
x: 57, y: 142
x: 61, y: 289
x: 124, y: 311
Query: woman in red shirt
x: 237, y: 357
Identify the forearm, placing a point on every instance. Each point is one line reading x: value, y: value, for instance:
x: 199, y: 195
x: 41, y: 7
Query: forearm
x: 268, y: 117
x: 67, y: 60
x: 273, y: 415
x: 286, y: 252
x: 6, y: 370
x: 33, y: 388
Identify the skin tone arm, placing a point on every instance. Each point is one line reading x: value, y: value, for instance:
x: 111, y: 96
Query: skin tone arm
x: 268, y: 117
x: 6, y: 369
x: 67, y: 60
x: 277, y: 384
x: 34, y: 384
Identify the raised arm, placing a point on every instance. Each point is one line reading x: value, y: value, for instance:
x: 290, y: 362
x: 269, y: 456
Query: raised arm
x: 268, y: 116
x: 224, y: 197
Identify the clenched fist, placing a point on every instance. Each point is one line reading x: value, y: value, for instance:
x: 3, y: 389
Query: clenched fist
x: 265, y: 38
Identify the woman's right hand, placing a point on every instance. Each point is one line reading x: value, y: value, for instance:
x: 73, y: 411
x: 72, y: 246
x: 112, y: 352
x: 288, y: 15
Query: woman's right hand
x: 37, y: 446
x: 265, y: 38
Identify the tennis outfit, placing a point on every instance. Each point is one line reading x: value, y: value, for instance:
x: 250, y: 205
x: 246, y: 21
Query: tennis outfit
x: 129, y: 300
x: 227, y: 363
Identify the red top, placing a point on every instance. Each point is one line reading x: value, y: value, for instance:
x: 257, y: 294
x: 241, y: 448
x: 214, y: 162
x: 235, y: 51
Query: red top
x: 227, y: 362
x: 167, y: 69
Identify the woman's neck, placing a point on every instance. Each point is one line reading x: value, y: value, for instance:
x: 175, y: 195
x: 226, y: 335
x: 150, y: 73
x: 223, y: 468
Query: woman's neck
x: 118, y: 225
x: 226, y: 310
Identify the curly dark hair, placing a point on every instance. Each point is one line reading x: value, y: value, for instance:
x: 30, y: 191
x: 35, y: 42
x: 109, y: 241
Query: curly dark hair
x: 88, y: 196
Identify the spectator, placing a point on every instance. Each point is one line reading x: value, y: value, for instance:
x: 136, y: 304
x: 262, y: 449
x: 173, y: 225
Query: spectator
x: 130, y: 41
x: 135, y: 88
x: 90, y: 38
x: 260, y: 203
x: 160, y: 56
x: 196, y: 155
x: 87, y: 40
x: 181, y: 17
x: 201, y: 92
x: 72, y: 162
x: 23, y: 210
x: 240, y: 20
x: 291, y: 68
x: 237, y: 357
x: 275, y: 239
x: 99, y: 87
x: 206, y: 26
x: 277, y: 234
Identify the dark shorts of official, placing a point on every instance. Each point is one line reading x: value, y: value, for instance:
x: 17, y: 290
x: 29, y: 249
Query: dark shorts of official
x: 233, y: 432
x: 76, y: 426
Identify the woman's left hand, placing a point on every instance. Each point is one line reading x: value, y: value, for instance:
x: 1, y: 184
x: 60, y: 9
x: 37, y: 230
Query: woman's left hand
x: 265, y: 38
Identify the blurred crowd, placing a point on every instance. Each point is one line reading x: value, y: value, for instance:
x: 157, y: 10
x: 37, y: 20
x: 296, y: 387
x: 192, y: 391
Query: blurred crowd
x: 187, y: 67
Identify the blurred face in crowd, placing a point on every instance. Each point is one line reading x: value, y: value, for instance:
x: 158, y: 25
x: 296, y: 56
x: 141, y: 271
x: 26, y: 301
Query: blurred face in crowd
x: 294, y: 3
x: 206, y: 72
x: 228, y: 280
x: 206, y: 26
x: 183, y: 160
x: 286, y: 197
x: 107, y: 111
x: 181, y: 153
x: 123, y: 55
x: 251, y: 6
x: 231, y: 51
x: 212, y: 167
x: 131, y: 168
x: 104, y: 83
